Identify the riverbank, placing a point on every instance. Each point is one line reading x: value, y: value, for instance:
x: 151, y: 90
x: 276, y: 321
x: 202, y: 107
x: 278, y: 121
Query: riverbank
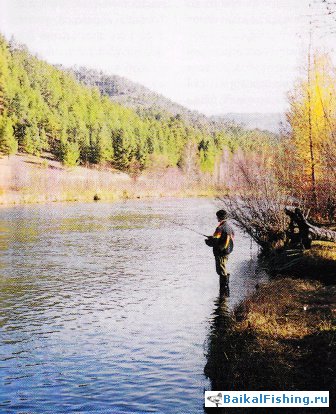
x: 26, y: 179
x: 280, y: 338
x: 318, y: 262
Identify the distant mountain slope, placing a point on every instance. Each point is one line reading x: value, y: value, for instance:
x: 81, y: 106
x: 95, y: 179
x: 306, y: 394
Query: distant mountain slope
x: 143, y: 100
x: 45, y: 109
x: 134, y: 95
x: 263, y: 121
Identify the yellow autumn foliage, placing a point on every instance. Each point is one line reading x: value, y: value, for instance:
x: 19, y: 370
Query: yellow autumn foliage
x: 312, y: 116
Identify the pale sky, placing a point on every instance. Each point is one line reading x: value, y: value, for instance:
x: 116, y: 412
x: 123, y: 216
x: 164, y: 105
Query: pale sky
x: 214, y: 56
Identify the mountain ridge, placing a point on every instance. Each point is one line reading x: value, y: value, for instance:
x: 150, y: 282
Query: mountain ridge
x: 135, y: 95
x: 145, y: 101
x: 265, y: 121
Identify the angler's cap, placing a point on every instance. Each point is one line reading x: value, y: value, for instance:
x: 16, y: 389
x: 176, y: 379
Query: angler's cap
x: 221, y: 214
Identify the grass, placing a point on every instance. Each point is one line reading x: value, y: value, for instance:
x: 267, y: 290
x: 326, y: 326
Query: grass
x: 325, y: 251
x: 283, y: 337
x: 283, y: 310
x: 27, y: 179
x: 319, y: 262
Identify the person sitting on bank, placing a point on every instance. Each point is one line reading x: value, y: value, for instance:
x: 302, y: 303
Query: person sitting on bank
x: 222, y: 244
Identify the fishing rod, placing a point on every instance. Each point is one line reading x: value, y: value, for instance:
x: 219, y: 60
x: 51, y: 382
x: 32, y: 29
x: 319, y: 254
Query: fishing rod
x: 186, y: 227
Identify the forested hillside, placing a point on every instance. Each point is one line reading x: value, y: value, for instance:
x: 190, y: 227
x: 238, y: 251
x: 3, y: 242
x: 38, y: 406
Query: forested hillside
x: 44, y: 108
x: 147, y: 102
x: 136, y: 96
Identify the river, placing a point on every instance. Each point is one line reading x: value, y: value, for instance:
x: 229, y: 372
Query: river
x: 108, y: 308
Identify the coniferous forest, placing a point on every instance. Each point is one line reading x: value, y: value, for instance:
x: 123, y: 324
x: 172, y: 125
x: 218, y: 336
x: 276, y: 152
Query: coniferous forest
x: 45, y: 109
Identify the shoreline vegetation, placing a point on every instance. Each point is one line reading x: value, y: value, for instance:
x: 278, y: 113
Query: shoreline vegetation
x: 282, y: 337
x: 28, y: 179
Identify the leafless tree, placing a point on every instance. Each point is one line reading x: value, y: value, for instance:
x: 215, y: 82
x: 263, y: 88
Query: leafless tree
x: 256, y: 202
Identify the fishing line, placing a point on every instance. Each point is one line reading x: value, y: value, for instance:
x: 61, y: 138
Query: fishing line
x: 185, y: 227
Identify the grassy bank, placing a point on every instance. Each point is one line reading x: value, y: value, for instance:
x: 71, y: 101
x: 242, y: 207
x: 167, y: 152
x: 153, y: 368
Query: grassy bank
x: 318, y: 262
x: 283, y: 337
x: 29, y: 179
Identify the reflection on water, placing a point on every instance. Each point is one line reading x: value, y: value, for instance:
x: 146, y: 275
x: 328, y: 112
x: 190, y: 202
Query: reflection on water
x: 217, y: 358
x: 107, y: 308
x: 220, y: 350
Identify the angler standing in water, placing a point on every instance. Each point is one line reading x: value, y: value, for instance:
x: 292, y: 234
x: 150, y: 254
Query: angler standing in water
x: 222, y: 244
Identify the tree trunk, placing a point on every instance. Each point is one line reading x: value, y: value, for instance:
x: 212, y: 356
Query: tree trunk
x: 307, y: 232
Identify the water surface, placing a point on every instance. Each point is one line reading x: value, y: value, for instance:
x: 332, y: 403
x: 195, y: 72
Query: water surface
x: 107, y: 308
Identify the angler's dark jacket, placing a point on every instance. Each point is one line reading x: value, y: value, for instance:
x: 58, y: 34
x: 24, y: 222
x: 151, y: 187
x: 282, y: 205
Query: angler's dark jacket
x: 222, y: 239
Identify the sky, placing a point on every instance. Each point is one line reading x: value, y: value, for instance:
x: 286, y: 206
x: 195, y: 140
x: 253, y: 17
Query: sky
x: 213, y: 56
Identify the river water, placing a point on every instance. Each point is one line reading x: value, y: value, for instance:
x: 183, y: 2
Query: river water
x: 108, y: 308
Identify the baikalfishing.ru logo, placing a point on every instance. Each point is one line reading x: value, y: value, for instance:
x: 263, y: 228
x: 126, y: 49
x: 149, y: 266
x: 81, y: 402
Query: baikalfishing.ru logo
x: 216, y: 399
x: 267, y: 399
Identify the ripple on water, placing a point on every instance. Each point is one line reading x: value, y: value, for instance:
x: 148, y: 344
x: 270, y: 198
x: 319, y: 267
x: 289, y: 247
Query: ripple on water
x: 108, y: 307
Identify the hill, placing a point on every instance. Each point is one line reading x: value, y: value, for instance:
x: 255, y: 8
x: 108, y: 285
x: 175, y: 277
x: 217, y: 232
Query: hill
x: 147, y: 102
x: 44, y: 108
x: 136, y: 96
x: 254, y: 120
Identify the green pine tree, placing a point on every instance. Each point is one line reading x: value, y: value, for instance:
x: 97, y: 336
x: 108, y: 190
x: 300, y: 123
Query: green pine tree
x: 121, y: 149
x: 70, y: 154
x: 8, y: 144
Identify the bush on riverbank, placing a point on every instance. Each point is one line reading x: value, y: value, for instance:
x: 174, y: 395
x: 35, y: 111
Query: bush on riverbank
x: 280, y: 338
